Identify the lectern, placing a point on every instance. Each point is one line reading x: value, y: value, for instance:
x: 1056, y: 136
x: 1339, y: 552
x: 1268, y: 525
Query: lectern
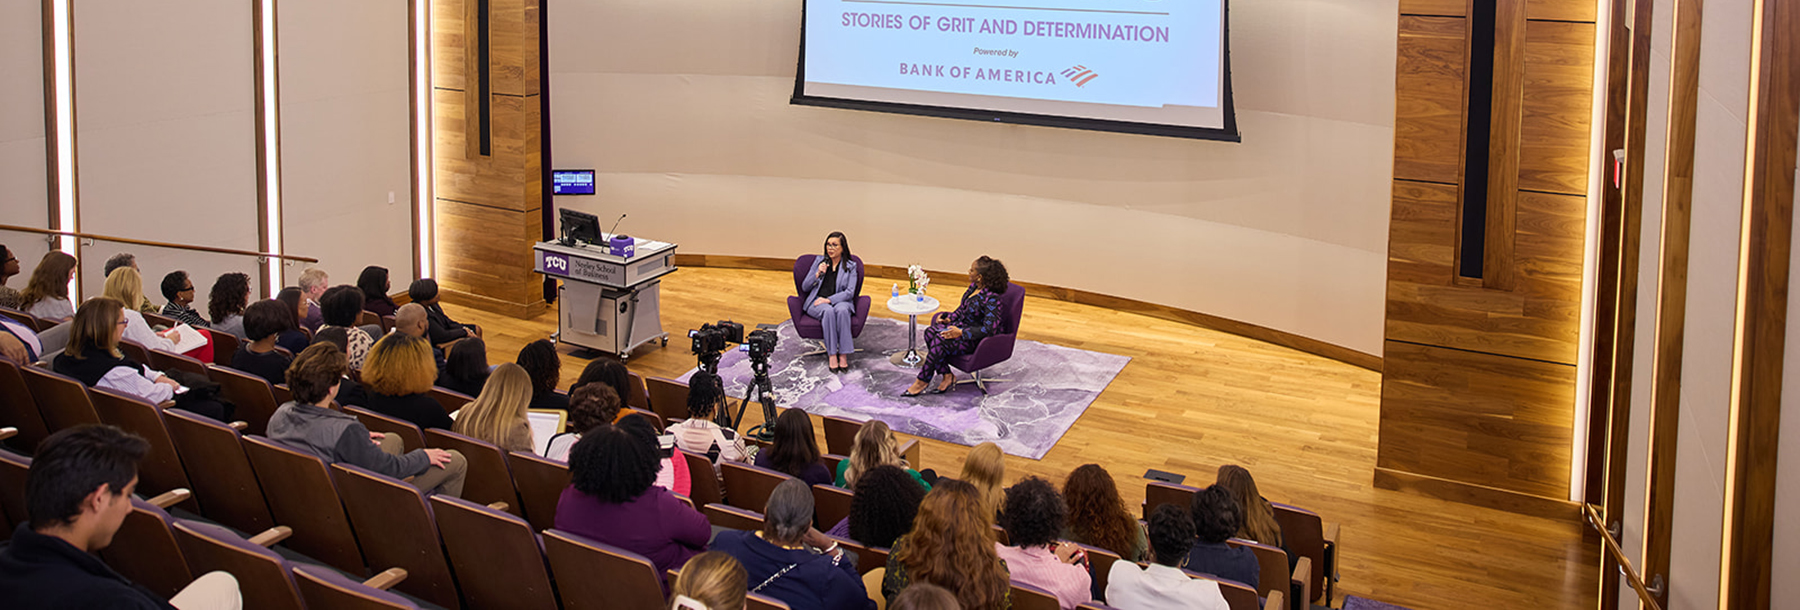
x: 608, y: 303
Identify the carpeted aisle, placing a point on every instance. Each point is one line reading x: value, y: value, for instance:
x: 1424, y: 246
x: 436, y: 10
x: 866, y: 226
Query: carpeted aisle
x: 1050, y: 386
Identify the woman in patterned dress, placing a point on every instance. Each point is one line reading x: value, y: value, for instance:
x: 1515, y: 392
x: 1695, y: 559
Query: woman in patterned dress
x: 958, y: 332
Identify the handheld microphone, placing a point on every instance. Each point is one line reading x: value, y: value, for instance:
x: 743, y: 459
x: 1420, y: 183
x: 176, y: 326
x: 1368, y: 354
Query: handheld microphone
x: 615, y: 228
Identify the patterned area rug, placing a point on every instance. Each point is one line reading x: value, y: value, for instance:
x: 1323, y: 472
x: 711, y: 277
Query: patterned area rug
x: 1049, y: 388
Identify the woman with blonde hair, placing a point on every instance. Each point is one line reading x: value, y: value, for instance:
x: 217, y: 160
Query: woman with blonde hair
x: 1259, y: 516
x: 126, y: 286
x: 498, y: 415
x: 711, y: 581
x: 398, y: 374
x: 985, y: 468
x: 952, y: 546
x: 93, y: 355
x: 875, y: 446
x: 46, y: 294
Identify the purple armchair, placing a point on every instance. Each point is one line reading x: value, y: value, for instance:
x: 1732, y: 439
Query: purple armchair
x: 996, y: 348
x: 810, y: 328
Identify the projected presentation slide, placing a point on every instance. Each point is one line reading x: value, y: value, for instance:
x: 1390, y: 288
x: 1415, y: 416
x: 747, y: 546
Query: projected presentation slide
x: 1156, y: 62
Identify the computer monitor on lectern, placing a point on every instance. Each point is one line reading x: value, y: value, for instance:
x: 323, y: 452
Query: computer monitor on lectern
x: 579, y: 227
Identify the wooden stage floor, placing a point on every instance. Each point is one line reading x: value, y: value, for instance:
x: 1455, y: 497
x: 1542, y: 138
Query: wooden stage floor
x: 1191, y: 400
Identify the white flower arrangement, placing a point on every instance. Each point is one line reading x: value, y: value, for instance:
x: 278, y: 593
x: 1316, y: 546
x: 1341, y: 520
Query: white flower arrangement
x: 917, y: 280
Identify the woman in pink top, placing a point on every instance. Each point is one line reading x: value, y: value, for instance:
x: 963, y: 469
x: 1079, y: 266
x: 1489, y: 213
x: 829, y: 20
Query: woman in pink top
x: 1033, y: 518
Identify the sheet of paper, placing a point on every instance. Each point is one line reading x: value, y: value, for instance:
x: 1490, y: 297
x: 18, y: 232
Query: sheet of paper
x: 544, y: 425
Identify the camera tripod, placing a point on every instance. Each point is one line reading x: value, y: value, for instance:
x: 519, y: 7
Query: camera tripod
x: 762, y: 389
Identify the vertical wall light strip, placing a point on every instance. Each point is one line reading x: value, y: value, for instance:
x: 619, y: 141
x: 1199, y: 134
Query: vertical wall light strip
x: 271, y: 141
x: 1598, y: 181
x: 422, y: 130
x: 63, y: 35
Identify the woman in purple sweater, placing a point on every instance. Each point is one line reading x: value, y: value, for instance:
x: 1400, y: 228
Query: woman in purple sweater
x: 611, y: 499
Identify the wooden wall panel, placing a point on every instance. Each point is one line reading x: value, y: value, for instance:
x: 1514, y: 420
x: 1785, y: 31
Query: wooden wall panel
x: 448, y: 39
x: 1437, y: 8
x: 486, y: 252
x: 1537, y: 320
x: 1429, y: 100
x: 1477, y: 418
x: 1562, y: 10
x: 1557, y: 107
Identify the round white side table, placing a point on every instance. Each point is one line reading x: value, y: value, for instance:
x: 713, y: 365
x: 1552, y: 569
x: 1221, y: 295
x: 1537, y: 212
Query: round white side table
x: 911, y: 306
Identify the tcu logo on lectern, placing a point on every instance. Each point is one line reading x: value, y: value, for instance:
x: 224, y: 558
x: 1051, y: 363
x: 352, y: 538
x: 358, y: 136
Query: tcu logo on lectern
x: 556, y: 263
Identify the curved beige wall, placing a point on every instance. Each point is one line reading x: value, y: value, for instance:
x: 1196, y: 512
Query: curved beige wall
x: 682, y: 107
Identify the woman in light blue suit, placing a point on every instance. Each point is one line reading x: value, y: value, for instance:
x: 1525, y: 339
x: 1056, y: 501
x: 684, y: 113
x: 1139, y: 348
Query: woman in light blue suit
x: 831, y: 297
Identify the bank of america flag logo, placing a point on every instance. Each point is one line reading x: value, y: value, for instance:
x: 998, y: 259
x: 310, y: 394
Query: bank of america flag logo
x: 1080, y: 75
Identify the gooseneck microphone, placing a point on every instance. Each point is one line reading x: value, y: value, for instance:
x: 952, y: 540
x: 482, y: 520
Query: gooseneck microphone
x: 615, y: 228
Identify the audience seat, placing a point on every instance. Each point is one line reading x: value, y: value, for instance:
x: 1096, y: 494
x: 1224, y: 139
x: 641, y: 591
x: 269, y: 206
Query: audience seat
x: 161, y: 469
x: 396, y: 528
x: 254, y: 398
x: 1029, y: 597
x: 748, y: 486
x: 540, y: 483
x: 840, y: 439
x: 220, y: 472
x: 387, y: 325
x: 157, y: 319
x: 135, y: 351
x: 410, y: 434
x: 831, y: 504
x: 30, y: 321
x: 283, y: 394
x: 651, y: 416
x: 61, y: 400
x: 1158, y: 493
x: 325, y: 588
x: 831, y: 460
x: 732, y: 517
x: 1101, y: 562
x: 165, y: 361
x: 370, y: 318
x: 306, y: 499
x: 596, y: 576
x: 498, y: 560
x: 225, y: 346
x: 14, y: 469
x: 264, y: 578
x: 1308, y: 536
x: 867, y: 557
x: 144, y: 550
x: 640, y: 393
x: 489, y: 480
x: 668, y: 397
x: 1238, y: 596
x: 18, y: 409
x: 705, y: 488
x: 450, y: 399
x: 1273, y: 562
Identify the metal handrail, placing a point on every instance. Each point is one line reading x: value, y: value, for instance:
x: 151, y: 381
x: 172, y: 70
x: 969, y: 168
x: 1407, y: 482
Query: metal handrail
x: 158, y: 244
x: 1648, y: 595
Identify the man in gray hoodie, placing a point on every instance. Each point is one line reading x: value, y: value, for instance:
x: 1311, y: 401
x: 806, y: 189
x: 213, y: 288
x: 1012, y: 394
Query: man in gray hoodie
x: 337, y: 437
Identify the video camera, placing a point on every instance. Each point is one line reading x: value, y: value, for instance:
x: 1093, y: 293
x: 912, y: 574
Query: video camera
x: 762, y: 343
x: 715, y: 337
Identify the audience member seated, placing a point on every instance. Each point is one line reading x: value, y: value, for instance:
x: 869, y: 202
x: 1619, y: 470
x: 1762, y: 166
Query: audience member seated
x: 309, y: 424
x: 672, y: 474
x: 225, y: 304
x: 340, y: 307
x: 589, y: 407
x: 951, y: 545
x: 46, y: 294
x: 607, y: 371
x: 123, y: 260
x: 1034, y: 516
x: 264, y: 322
x: 795, y: 451
x: 958, y: 332
x: 612, y: 499
x: 398, y: 377
x: 410, y: 319
x: 882, y: 509
x: 466, y: 369
x: 20, y: 344
x: 179, y: 290
x: 1216, y: 517
x: 1259, y: 516
x: 78, y: 493
x: 9, y: 266
x: 540, y: 360
x: 792, y: 561
x: 350, y: 392
x: 710, y: 581
x: 875, y: 446
x: 700, y: 434
x: 924, y: 596
x: 126, y: 286
x: 498, y: 414
x: 1163, y: 585
x: 374, y: 285
x: 93, y: 357
x: 442, y: 329
x: 985, y: 468
x: 294, y: 339
x: 313, y: 283
x: 1098, y: 517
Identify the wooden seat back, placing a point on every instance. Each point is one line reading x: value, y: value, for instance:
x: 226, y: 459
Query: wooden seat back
x: 254, y: 399
x: 498, y: 560
x: 263, y: 577
x: 28, y: 320
x: 732, y: 517
x: 161, y: 469
x: 157, y: 319
x: 656, y: 421
x: 61, y: 400
x: 840, y: 434
x: 748, y: 486
x: 1304, y: 534
x: 19, y: 409
x: 144, y: 550
x: 704, y: 487
x: 323, y: 588
x: 867, y: 557
x: 283, y: 394
x: 831, y: 504
x: 135, y: 351
x: 639, y: 391
x: 165, y: 360
x: 223, y: 480
x: 225, y: 347
x: 489, y: 479
x: 1238, y: 596
x: 410, y: 434
x: 1029, y: 597
x: 368, y: 318
x: 1101, y: 561
x: 397, y: 529
x: 668, y: 397
x: 1272, y: 566
x: 540, y: 483
x: 831, y: 461
x: 302, y: 495
x: 596, y: 576
x: 14, y: 469
x: 450, y: 399
x: 1158, y: 493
